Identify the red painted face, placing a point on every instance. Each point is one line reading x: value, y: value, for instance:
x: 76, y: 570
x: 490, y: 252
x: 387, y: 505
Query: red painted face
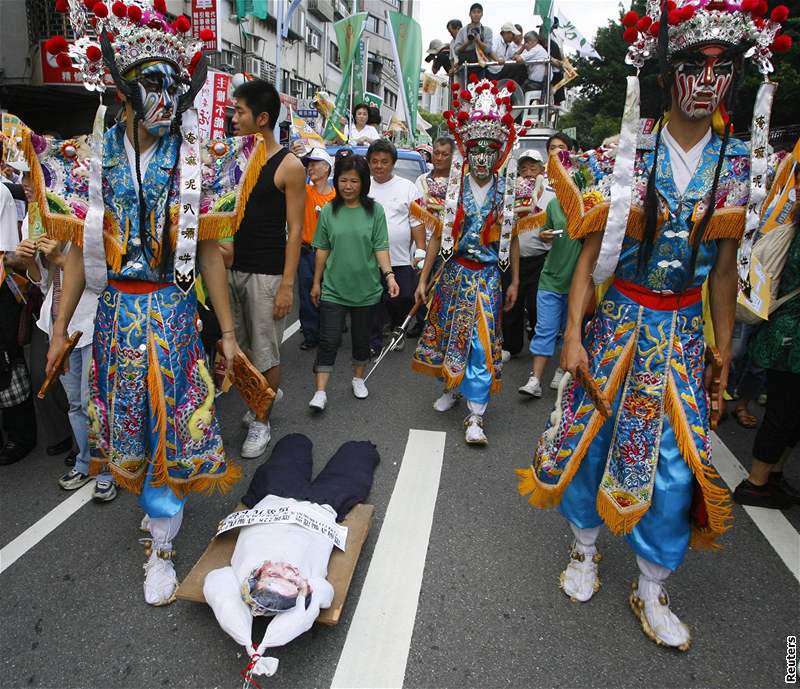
x: 702, y: 82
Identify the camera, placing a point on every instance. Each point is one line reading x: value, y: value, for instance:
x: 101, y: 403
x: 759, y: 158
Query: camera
x: 472, y: 34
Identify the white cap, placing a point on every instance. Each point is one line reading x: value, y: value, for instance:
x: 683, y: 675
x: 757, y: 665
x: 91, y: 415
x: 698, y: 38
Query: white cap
x: 320, y: 154
x: 531, y: 154
x: 435, y: 46
x: 509, y: 26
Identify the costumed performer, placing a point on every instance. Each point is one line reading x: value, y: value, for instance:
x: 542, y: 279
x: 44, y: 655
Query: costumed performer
x: 646, y: 470
x: 143, y: 203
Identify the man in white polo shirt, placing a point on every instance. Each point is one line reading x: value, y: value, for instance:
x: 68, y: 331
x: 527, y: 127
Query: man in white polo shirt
x: 508, y: 53
x: 396, y: 195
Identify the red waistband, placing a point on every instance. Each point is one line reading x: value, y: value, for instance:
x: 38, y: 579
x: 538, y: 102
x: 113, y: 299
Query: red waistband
x: 656, y: 301
x: 138, y: 286
x: 467, y: 263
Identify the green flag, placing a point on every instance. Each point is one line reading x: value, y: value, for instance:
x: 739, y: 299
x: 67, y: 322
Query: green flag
x: 258, y: 8
x: 348, y: 35
x: 544, y: 8
x: 406, y: 37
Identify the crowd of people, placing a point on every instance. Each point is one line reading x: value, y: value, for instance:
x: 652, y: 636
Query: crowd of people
x: 494, y: 245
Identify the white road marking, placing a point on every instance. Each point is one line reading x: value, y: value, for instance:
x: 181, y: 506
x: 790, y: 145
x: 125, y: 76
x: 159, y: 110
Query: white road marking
x: 775, y: 527
x: 59, y: 514
x: 376, y: 650
x: 55, y: 517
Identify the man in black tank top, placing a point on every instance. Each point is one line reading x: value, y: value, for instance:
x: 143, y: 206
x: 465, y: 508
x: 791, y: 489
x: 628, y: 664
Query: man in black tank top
x: 266, y: 248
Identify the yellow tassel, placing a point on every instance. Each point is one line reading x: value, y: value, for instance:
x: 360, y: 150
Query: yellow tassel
x: 717, y: 498
x: 430, y: 221
x: 618, y: 522
x: 222, y: 225
x: 483, y: 336
x: 726, y: 223
x: 155, y: 387
x: 533, y: 221
x: 526, y: 484
x: 569, y: 196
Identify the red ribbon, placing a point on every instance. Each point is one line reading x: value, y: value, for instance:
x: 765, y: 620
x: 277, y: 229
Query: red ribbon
x: 246, y: 673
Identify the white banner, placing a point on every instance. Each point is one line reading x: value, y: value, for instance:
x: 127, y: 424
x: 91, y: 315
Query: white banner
x: 568, y: 35
x: 335, y: 533
x: 189, y: 210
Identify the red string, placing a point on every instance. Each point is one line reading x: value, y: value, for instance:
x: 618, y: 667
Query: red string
x: 246, y: 673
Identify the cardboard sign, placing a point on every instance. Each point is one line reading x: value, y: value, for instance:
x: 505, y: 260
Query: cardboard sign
x: 760, y: 287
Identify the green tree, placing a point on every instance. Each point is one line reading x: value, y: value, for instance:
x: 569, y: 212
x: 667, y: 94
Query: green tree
x: 597, y: 112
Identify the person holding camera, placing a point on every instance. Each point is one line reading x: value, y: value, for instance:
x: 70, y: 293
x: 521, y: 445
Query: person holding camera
x: 472, y: 38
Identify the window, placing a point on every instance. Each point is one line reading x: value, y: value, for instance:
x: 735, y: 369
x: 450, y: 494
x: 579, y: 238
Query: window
x: 311, y: 89
x: 389, y: 98
x: 374, y: 25
x: 313, y: 39
x: 333, y: 54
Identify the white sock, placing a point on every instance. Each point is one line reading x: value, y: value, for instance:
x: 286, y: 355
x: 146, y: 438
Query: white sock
x: 165, y: 529
x: 585, y: 539
x: 478, y: 408
x: 651, y: 578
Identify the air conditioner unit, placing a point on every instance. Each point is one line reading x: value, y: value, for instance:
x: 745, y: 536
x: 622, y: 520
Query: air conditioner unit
x: 252, y: 65
x: 313, y: 40
x: 229, y: 60
x: 321, y: 9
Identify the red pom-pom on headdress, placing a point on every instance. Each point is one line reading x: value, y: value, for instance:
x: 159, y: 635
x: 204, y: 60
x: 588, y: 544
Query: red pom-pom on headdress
x: 55, y: 45
x: 62, y: 6
x: 119, y: 9
x: 630, y: 35
x: 182, y: 24
x: 630, y: 19
x: 655, y: 27
x: 463, y: 116
x: 780, y: 13
x: 206, y: 35
x: 160, y: 6
x: 749, y: 5
x: 134, y: 13
x: 456, y: 86
x: 63, y: 60
x: 100, y: 10
x: 473, y: 78
x: 94, y: 53
x: 89, y: 3
x: 782, y: 43
x: 507, y: 120
x: 465, y: 95
x: 511, y: 86
x: 644, y: 23
x: 687, y: 12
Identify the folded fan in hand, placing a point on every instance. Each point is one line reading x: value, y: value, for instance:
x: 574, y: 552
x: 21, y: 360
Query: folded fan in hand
x: 58, y: 368
x: 593, y: 390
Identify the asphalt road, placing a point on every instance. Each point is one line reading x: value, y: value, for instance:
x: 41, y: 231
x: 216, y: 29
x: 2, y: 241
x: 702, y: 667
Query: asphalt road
x: 490, y: 612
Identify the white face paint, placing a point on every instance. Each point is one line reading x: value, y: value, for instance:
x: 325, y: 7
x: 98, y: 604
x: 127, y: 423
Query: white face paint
x: 701, y: 83
x: 159, y: 89
x: 482, y: 156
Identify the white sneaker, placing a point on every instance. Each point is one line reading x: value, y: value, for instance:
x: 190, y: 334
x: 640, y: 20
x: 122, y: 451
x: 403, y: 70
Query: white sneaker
x: 658, y: 622
x: 474, y: 434
x: 319, y: 400
x: 160, y: 581
x: 250, y: 415
x: 258, y: 437
x: 447, y: 401
x: 579, y: 580
x: 400, y: 345
x: 533, y: 388
x: 557, y: 376
x: 505, y: 356
x: 360, y: 388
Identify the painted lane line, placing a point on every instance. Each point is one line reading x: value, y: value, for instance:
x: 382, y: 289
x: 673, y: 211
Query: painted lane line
x: 59, y: 514
x: 774, y: 526
x: 55, y: 517
x: 375, y: 652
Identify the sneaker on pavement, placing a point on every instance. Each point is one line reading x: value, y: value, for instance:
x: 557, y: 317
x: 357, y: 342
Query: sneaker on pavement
x: 769, y: 495
x: 447, y: 401
x: 505, y: 356
x: 533, y: 388
x: 319, y: 400
x: 360, y: 388
x: 104, y: 490
x: 160, y: 581
x: 557, y: 376
x: 250, y: 415
x: 258, y: 437
x: 777, y: 479
x: 73, y: 480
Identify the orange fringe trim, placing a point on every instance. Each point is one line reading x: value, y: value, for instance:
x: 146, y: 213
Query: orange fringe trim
x: 618, y: 522
x: 726, y: 223
x: 430, y: 221
x: 223, y: 225
x: 546, y: 496
x: 716, y: 497
x: 59, y: 226
x: 569, y: 196
x: 483, y: 336
x: 155, y: 386
x: 530, y: 222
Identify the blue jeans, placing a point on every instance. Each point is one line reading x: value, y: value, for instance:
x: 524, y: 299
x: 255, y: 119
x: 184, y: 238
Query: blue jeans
x: 551, y: 317
x: 76, y: 386
x: 309, y: 314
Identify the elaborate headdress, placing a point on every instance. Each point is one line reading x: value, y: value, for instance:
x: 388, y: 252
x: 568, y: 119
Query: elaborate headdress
x: 482, y: 110
x: 668, y: 30
x: 696, y: 23
x: 124, y: 35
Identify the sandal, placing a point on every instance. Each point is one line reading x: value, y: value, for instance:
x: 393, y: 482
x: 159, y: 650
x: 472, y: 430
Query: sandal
x: 744, y: 418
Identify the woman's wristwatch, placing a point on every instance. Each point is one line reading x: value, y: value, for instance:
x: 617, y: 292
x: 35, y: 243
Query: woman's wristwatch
x: 388, y: 273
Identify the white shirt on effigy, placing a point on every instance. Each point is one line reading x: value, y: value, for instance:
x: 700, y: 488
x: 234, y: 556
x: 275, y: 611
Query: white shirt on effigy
x: 683, y: 163
x: 307, y: 550
x: 144, y: 160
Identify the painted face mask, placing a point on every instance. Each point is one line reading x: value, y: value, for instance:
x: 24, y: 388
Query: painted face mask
x: 159, y: 89
x: 701, y: 83
x: 482, y: 156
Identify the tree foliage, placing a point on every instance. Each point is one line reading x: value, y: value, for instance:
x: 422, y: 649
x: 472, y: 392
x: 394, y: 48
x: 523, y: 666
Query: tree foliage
x: 597, y: 112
